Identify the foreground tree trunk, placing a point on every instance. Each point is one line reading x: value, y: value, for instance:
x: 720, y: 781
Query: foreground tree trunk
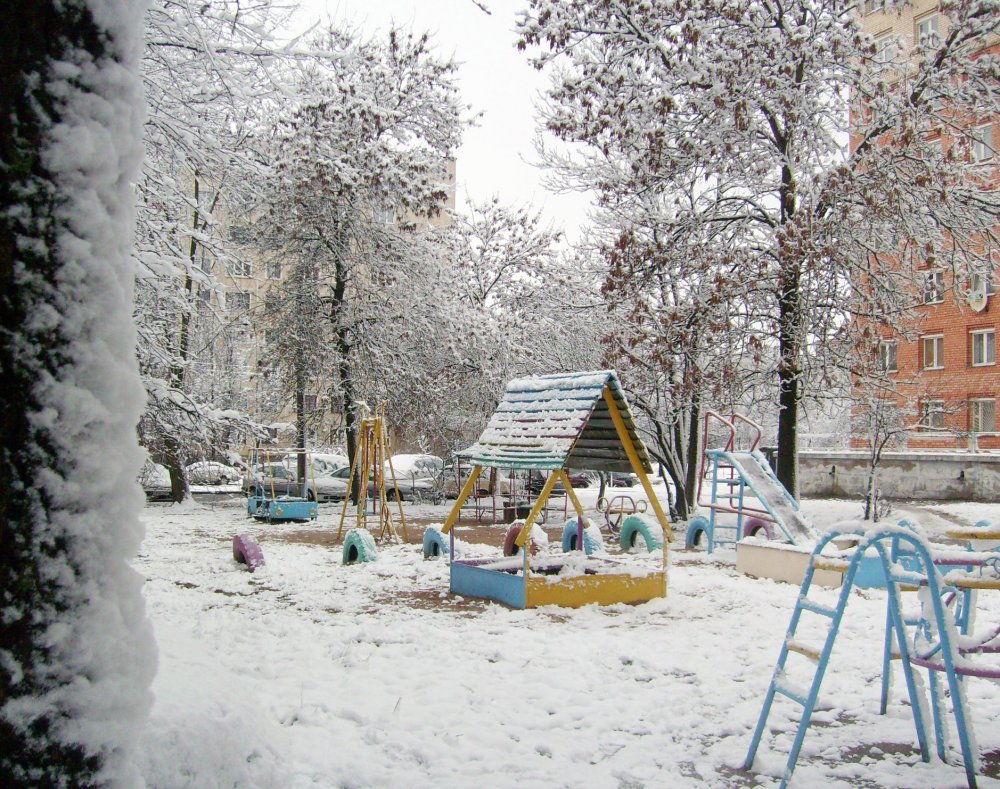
x: 76, y: 649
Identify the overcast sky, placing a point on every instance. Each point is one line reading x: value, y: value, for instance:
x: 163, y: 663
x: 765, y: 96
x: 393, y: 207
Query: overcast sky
x: 496, y: 156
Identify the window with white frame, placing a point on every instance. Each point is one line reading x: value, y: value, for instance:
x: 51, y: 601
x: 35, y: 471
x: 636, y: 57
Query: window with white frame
x: 237, y: 301
x: 983, y: 415
x: 984, y: 347
x: 874, y: 5
x: 932, y: 414
x: 274, y: 270
x: 885, y: 48
x: 934, y: 287
x: 239, y: 268
x: 933, y: 350
x: 982, y: 143
x: 928, y: 31
x: 982, y: 283
x: 888, y: 361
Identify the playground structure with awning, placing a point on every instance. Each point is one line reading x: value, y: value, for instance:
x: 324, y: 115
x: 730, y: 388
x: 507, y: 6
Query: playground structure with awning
x: 554, y: 423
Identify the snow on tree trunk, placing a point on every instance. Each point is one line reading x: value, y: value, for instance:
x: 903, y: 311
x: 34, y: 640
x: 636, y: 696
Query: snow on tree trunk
x: 76, y: 649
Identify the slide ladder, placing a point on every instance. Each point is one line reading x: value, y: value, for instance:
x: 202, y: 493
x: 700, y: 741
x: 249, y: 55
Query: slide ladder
x: 744, y: 486
x: 929, y: 639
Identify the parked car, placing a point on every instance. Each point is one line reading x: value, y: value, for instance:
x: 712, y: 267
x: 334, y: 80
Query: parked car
x: 155, y: 481
x: 331, y: 485
x: 622, y: 479
x: 412, y: 481
x: 277, y: 476
x: 211, y: 472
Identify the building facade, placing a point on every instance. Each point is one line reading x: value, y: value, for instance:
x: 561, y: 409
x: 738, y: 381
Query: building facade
x: 950, y: 364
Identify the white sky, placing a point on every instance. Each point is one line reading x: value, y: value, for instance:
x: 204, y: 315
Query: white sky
x: 495, y: 79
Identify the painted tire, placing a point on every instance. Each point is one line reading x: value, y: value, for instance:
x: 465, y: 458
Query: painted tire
x: 593, y: 541
x: 510, y: 547
x: 635, y: 525
x: 696, y: 531
x: 359, y: 547
x: 435, y: 543
x: 754, y: 526
x: 247, y: 551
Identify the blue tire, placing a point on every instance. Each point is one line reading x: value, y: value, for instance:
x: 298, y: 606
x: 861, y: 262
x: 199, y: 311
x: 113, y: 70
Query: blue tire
x: 697, y: 531
x: 593, y: 541
x: 636, y: 525
x: 359, y: 547
x: 435, y: 543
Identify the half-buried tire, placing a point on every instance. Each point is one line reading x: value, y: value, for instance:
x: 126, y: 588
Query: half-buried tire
x: 359, y: 547
x: 635, y: 526
x: 754, y: 526
x: 436, y: 543
x: 697, y: 533
x: 593, y: 542
x: 247, y: 551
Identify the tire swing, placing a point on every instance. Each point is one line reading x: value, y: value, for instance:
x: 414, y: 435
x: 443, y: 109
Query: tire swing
x: 697, y: 533
x: 593, y: 541
x: 247, y: 551
x: 633, y: 526
x: 359, y: 547
x: 435, y: 543
x: 754, y: 526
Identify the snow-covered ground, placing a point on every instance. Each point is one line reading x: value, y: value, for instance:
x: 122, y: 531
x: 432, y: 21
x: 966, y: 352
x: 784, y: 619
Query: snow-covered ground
x: 312, y: 673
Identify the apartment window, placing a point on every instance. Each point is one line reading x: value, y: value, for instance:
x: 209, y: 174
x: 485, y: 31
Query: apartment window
x: 983, y: 416
x: 239, y: 268
x: 932, y: 414
x: 239, y: 234
x: 385, y: 216
x: 274, y: 271
x: 928, y: 31
x: 887, y: 357
x: 933, y: 348
x: 982, y: 143
x: 885, y: 48
x: 238, y: 301
x: 872, y: 6
x: 984, y: 347
x: 309, y: 402
x: 934, y: 287
x: 982, y: 284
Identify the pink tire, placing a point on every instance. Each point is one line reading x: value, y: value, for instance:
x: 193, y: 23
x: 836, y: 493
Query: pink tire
x: 247, y: 551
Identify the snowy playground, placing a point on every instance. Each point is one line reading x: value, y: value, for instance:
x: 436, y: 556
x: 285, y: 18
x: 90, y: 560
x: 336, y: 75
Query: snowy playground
x: 310, y: 672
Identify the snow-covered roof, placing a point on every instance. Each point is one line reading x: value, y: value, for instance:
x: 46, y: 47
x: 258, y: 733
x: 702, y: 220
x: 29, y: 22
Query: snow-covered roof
x: 559, y: 421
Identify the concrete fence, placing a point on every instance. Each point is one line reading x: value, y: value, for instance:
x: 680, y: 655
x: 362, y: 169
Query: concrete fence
x: 962, y: 476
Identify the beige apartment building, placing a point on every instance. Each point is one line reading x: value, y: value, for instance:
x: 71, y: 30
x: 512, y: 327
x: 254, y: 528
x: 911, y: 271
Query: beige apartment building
x: 240, y: 350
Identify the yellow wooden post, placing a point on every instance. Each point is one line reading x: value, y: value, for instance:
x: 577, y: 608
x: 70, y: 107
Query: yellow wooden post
x: 571, y: 493
x: 350, y: 477
x: 633, y: 457
x: 470, y: 483
x: 395, y: 487
x: 522, y: 536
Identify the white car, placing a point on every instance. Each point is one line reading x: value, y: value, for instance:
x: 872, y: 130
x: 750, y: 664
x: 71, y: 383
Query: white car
x: 211, y: 472
x: 155, y: 481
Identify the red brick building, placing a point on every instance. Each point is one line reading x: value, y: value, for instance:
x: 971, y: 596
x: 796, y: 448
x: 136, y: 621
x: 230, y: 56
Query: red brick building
x: 950, y: 369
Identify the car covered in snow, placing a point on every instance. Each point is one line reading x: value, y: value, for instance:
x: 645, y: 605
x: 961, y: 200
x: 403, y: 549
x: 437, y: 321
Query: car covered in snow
x: 211, y: 472
x: 418, y: 478
x: 155, y: 481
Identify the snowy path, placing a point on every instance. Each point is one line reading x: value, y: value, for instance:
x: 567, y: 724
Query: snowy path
x: 310, y: 673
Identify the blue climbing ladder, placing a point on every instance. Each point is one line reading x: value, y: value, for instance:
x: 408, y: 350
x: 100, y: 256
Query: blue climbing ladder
x: 928, y: 639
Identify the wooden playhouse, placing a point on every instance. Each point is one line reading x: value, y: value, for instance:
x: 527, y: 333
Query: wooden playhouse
x: 554, y: 423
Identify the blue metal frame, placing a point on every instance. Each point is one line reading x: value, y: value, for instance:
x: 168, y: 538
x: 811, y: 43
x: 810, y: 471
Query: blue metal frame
x: 938, y: 628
